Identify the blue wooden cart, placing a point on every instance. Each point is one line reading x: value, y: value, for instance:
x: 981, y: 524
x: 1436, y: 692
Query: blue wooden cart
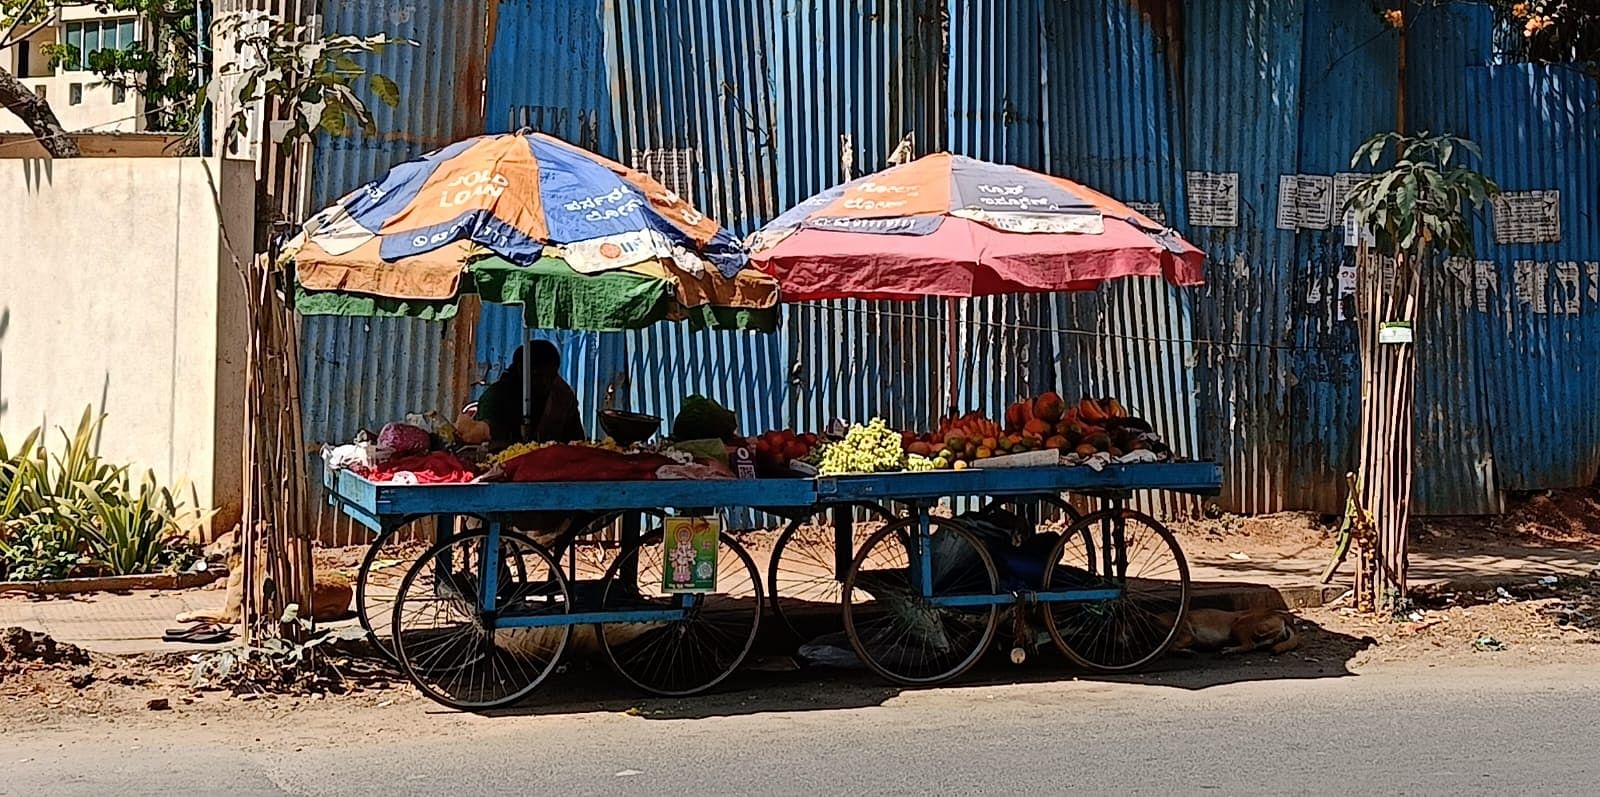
x: 482, y: 616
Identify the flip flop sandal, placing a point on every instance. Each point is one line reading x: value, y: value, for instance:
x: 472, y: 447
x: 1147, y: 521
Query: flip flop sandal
x: 201, y: 634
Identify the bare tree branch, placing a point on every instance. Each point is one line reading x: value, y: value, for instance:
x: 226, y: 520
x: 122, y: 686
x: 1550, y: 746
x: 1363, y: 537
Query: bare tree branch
x: 37, y: 115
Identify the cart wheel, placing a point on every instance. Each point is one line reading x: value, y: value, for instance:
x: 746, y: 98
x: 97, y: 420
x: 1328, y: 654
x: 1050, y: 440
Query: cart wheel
x: 692, y: 654
x: 804, y: 568
x: 1140, y: 557
x: 902, y: 635
x: 383, y: 567
x: 452, y: 649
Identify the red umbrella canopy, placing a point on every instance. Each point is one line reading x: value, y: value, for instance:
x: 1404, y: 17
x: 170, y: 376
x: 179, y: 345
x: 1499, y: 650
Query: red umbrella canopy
x: 947, y: 225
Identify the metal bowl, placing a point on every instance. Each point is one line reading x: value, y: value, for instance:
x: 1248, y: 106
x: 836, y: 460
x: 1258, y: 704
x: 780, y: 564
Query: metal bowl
x: 628, y: 428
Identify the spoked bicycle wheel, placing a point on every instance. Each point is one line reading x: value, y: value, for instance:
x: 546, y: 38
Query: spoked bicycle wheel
x: 464, y: 655
x: 1138, y: 558
x: 804, y: 564
x: 903, y: 635
x: 687, y: 655
x: 382, y: 569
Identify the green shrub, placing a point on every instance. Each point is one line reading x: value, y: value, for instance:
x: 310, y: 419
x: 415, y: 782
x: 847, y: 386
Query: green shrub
x: 69, y: 512
x: 37, y: 552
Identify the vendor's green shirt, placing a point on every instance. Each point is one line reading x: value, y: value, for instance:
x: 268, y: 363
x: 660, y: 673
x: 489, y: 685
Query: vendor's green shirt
x: 556, y: 418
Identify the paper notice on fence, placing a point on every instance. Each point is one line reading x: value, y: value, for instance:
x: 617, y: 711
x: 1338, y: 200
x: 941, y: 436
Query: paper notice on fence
x: 1213, y: 199
x: 1305, y: 202
x: 1527, y: 217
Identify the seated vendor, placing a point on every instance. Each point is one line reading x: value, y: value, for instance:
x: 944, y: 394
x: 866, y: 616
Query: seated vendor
x: 555, y: 416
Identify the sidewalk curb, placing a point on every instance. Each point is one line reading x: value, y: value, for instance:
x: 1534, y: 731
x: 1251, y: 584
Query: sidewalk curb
x: 153, y: 581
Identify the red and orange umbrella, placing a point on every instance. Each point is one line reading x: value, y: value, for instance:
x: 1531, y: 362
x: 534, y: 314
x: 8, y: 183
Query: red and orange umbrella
x: 951, y: 226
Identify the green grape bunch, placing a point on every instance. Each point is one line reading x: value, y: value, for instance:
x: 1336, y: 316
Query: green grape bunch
x: 873, y: 448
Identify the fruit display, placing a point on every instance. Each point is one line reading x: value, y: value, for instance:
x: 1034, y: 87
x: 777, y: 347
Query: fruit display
x: 873, y: 448
x: 1083, y: 429
x: 776, y: 449
x: 515, y: 450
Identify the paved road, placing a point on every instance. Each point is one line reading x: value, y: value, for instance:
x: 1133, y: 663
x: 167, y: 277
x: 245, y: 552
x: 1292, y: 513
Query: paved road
x: 1410, y: 731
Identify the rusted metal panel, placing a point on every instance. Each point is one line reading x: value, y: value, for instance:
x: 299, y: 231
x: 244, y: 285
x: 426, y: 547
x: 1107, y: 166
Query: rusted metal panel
x: 1241, y: 109
x: 1349, y: 93
x: 547, y: 71
x: 1130, y: 339
x: 360, y: 373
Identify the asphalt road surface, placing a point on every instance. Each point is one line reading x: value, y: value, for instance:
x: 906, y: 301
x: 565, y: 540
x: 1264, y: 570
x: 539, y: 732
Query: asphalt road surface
x: 1410, y: 730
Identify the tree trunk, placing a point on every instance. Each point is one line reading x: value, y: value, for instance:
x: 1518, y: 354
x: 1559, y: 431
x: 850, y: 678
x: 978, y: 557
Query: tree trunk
x: 1388, y: 404
x: 36, y: 114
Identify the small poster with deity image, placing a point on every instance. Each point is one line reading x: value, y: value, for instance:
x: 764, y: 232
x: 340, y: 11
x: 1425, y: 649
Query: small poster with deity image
x: 691, y: 565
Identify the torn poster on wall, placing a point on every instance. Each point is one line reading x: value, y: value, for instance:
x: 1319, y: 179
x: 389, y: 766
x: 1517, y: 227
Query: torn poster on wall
x: 1305, y: 202
x: 1527, y: 217
x: 1530, y: 280
x: 1213, y: 199
x: 1478, y: 279
x: 1347, y: 288
x: 1569, y: 288
x: 1354, y: 234
x: 1153, y: 210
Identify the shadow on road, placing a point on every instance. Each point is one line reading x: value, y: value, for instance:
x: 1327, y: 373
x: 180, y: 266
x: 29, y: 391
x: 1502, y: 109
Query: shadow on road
x: 771, y: 683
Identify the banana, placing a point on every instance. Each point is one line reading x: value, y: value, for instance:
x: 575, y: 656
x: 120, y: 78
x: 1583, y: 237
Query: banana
x: 1090, y: 410
x: 1114, y: 408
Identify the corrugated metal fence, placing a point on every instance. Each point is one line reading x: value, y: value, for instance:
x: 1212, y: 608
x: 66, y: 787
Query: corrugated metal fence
x: 749, y: 106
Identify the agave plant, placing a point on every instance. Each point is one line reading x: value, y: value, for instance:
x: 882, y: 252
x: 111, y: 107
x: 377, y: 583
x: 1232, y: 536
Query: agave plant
x: 136, y: 530
x: 68, y: 512
x: 17, y: 471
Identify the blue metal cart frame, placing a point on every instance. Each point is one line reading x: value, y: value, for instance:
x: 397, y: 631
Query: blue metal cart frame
x: 385, y: 507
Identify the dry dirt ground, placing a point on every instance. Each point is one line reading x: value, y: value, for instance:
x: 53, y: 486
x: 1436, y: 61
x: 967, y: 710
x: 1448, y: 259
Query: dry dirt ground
x: 1505, y: 628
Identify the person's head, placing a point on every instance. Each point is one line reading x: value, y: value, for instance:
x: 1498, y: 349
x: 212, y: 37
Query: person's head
x: 542, y: 355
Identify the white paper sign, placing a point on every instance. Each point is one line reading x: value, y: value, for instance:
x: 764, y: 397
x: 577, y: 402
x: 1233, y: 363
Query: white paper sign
x: 1394, y: 333
x: 1528, y: 217
x: 1305, y: 202
x: 1342, y: 183
x: 1357, y: 234
x: 1213, y: 199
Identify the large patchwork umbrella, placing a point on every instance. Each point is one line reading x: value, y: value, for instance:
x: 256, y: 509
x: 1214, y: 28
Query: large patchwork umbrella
x: 581, y: 242
x: 951, y: 226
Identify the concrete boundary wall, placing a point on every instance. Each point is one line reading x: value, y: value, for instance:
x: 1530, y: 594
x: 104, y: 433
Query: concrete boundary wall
x: 118, y: 291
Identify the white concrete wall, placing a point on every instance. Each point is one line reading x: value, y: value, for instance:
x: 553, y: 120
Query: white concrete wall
x: 117, y: 291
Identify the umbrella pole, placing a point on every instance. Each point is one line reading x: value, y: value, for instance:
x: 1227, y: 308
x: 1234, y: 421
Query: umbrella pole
x: 952, y: 339
x: 527, y: 385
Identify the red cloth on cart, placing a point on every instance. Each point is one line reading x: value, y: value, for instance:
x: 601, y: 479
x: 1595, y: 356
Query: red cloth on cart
x: 582, y: 464
x: 438, y: 467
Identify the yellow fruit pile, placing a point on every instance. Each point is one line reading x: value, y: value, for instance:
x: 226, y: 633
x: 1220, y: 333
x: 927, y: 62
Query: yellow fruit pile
x: 518, y: 449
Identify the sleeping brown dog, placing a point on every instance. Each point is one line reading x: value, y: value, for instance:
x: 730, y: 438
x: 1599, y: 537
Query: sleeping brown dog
x: 1231, y: 633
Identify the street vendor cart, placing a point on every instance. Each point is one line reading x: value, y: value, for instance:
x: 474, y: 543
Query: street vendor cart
x: 480, y: 616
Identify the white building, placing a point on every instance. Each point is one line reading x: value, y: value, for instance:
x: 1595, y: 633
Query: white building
x: 80, y: 99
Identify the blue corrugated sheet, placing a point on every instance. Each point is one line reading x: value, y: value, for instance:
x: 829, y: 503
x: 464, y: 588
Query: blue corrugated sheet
x: 361, y: 373
x: 1120, y: 137
x: 1241, y: 97
x: 1257, y: 369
